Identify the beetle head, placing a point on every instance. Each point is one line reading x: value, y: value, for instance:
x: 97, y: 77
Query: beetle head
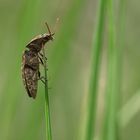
x: 50, y: 36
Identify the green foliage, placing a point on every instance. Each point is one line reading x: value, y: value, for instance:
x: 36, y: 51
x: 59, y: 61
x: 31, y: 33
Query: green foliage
x: 47, y: 103
x: 95, y: 68
x: 111, y: 122
x: 93, y: 82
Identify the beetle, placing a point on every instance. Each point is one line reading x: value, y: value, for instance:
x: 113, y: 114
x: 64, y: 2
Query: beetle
x: 31, y: 59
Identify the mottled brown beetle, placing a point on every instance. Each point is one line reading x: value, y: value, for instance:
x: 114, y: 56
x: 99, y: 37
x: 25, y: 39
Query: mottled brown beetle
x: 31, y: 59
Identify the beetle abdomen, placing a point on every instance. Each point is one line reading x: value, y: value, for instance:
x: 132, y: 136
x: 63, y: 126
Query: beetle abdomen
x: 30, y: 79
x: 30, y: 68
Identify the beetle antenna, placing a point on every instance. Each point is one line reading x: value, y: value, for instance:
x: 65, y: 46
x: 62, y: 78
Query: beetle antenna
x: 56, y: 23
x: 48, y: 28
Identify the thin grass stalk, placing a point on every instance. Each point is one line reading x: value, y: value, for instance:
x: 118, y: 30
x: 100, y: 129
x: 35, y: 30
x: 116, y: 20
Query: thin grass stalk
x: 95, y: 67
x: 111, y: 103
x: 47, y: 106
x: 121, y: 45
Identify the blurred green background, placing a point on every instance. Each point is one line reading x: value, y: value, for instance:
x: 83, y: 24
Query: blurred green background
x: 69, y: 63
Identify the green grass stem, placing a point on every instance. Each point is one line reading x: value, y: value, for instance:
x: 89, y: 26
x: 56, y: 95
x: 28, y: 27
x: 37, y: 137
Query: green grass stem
x: 95, y: 67
x: 113, y: 77
x: 47, y: 106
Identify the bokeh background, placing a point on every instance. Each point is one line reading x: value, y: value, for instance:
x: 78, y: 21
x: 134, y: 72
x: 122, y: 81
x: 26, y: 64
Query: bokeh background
x: 69, y: 60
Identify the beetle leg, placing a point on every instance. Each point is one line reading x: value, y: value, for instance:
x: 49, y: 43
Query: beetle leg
x: 42, y: 81
x: 42, y: 78
x: 41, y: 61
x: 42, y: 56
x: 39, y: 77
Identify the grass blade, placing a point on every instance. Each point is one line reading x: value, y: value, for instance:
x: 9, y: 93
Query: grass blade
x: 47, y: 106
x: 92, y: 96
x: 133, y: 104
x: 113, y: 81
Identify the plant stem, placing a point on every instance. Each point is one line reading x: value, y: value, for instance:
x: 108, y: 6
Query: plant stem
x: 47, y: 107
x: 111, y: 103
x: 95, y: 68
